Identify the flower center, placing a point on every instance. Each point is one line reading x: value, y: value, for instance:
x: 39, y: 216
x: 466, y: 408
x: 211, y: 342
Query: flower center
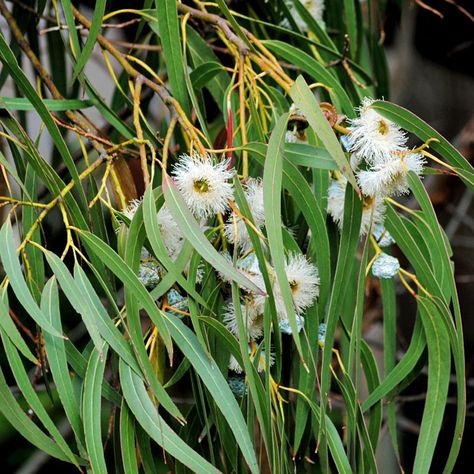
x: 383, y: 127
x: 368, y: 201
x: 201, y: 186
x: 293, y: 286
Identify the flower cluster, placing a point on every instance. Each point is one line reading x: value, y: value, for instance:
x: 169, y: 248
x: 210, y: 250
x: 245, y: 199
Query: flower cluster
x: 380, y: 160
x: 206, y: 186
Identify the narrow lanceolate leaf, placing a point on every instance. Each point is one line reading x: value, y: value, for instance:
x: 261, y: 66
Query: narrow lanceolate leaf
x: 94, y: 31
x: 58, y: 361
x: 439, y: 369
x: 147, y: 415
x: 99, y: 315
x: 24, y: 384
x: 113, y: 336
x: 190, y: 228
x: 216, y: 384
x: 9, y: 328
x: 113, y: 261
x: 402, y: 370
x: 12, y: 268
x: 306, y: 102
x: 19, y: 103
x: 75, y: 297
x: 22, y: 423
x: 92, y: 409
x: 272, y: 184
x: 170, y: 38
x: 127, y: 440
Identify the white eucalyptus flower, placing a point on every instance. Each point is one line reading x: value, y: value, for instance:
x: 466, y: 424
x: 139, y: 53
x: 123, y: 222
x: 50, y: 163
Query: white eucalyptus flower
x: 235, y: 228
x: 385, y: 266
x: 390, y: 178
x: 373, y: 210
x: 204, y: 183
x: 235, y: 366
x: 295, y: 136
x: 171, y: 234
x: 303, y: 279
x: 132, y: 207
x: 373, y: 137
x: 252, y: 322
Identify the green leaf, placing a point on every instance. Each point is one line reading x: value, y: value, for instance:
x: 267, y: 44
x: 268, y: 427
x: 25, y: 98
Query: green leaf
x: 350, y: 19
x: 146, y: 414
x: 272, y: 184
x: 204, y: 73
x: 439, y: 371
x: 75, y: 297
x: 12, y: 268
x: 58, y: 360
x: 103, y: 322
x: 215, y: 384
x: 310, y: 156
x: 18, y: 103
x: 113, y: 261
x: 9, y: 328
x: 170, y: 37
x: 306, y: 102
x: 21, y: 422
x: 96, y: 25
x: 24, y: 384
x: 92, y: 409
x: 345, y: 261
x: 190, y: 228
x: 127, y: 440
x: 401, y: 371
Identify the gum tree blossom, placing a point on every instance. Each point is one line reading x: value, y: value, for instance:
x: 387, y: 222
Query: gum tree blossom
x: 235, y: 366
x: 253, y: 323
x: 389, y: 178
x: 303, y: 280
x: 373, y: 138
x: 131, y: 209
x: 235, y: 228
x: 373, y: 210
x: 204, y: 183
x: 172, y: 236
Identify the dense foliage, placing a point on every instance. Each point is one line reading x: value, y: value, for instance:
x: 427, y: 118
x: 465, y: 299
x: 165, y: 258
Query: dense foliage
x: 187, y: 263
